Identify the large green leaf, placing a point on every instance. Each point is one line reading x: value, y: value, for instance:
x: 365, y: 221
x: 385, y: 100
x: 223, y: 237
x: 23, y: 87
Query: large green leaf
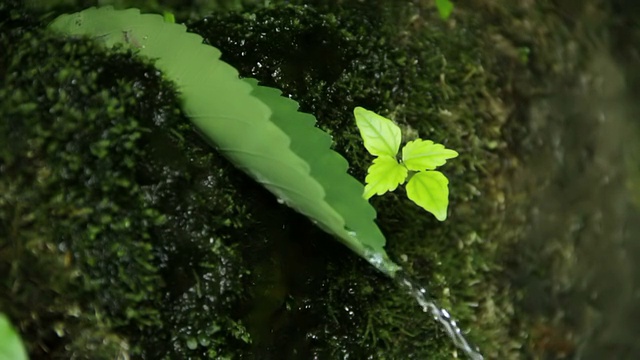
x: 343, y: 192
x: 258, y: 130
x: 11, y: 347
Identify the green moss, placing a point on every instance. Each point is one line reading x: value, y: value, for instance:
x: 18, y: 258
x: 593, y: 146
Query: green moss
x: 147, y: 242
x: 434, y: 81
x: 115, y: 217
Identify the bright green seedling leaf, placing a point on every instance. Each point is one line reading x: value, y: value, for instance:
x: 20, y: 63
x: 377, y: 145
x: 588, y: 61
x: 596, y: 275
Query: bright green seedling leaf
x: 420, y: 155
x: 11, y: 347
x: 385, y: 174
x: 445, y: 8
x: 381, y: 136
x: 430, y: 191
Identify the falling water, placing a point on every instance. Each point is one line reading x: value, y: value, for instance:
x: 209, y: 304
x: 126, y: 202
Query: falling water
x: 441, y: 315
x: 420, y: 294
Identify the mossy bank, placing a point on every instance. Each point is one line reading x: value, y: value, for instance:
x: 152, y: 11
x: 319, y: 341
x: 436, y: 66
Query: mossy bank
x: 123, y: 233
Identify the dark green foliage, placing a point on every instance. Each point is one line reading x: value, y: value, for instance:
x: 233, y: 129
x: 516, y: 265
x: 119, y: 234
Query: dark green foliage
x: 14, y: 19
x: 120, y: 224
x: 319, y: 59
x: 409, y: 69
x: 139, y: 236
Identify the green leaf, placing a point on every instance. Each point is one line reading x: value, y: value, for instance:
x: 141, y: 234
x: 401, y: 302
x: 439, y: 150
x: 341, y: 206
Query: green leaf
x: 342, y: 191
x: 11, y: 347
x: 445, y: 8
x: 385, y: 174
x: 381, y: 136
x: 430, y: 191
x: 421, y: 154
x: 258, y: 130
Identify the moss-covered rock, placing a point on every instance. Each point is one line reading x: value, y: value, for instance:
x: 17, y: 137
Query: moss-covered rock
x: 144, y: 241
x: 435, y: 82
x: 115, y: 217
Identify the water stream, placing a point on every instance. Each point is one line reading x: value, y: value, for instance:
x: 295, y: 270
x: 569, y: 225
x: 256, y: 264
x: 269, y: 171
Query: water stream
x: 439, y: 314
x: 428, y: 304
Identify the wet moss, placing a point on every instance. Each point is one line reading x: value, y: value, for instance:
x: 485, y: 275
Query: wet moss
x: 116, y: 218
x: 205, y: 256
x: 435, y: 81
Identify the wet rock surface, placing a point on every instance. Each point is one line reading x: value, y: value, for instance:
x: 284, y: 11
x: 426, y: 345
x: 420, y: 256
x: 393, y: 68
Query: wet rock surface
x: 147, y: 243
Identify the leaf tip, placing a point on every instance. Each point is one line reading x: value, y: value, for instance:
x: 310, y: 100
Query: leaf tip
x: 368, y: 192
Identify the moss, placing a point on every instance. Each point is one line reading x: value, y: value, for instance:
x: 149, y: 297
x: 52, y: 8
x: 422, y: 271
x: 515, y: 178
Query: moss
x: 115, y: 217
x: 149, y: 243
x: 433, y: 80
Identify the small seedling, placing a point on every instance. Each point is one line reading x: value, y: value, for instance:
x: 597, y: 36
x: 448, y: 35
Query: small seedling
x: 427, y: 188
